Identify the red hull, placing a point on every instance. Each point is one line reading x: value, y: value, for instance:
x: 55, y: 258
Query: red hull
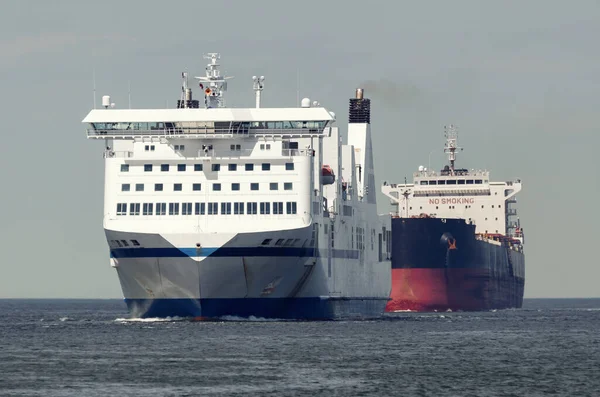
x: 454, y: 289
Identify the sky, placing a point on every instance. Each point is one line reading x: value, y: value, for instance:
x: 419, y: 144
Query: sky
x: 521, y: 80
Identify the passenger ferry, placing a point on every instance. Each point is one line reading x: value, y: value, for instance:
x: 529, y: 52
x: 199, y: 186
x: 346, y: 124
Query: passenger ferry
x: 212, y: 211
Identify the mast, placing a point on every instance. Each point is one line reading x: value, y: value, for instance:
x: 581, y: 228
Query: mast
x: 213, y: 84
x: 259, y: 85
x: 451, y: 145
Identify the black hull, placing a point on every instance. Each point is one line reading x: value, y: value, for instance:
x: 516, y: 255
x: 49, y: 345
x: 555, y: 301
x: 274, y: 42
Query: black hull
x: 440, y: 264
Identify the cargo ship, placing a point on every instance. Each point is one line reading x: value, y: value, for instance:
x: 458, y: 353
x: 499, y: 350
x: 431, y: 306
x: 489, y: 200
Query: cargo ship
x: 213, y: 211
x: 457, y: 243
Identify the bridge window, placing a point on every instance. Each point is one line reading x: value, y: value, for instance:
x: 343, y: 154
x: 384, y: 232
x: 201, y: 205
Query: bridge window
x: 186, y: 209
x: 177, y: 187
x: 232, y: 167
x: 216, y: 167
x: 266, y: 166
x: 289, y: 166
x: 179, y: 147
x: 134, y: 209
x: 158, y: 187
x: 197, y: 167
x: 469, y: 181
x: 213, y: 208
x: 235, y: 147
x: 291, y: 207
x: 122, y: 209
x: 125, y: 187
x: 265, y: 208
x: 147, y: 208
x: 251, y: 208
x: 225, y: 208
x: 288, y: 186
x: 266, y: 241
x: 254, y: 186
x: 161, y: 208
x: 139, y: 187
x: 199, y: 208
x: 124, y: 167
x: 164, y: 167
x: 147, y: 167
x: 249, y: 167
x: 149, y: 148
x: 196, y: 187
x: 273, y: 186
x: 433, y: 182
x: 235, y: 187
x: 478, y: 181
x: 461, y: 181
x: 423, y: 182
x: 173, y: 208
x: 279, y: 241
x: 181, y: 167
x: 278, y: 208
x: 238, y: 208
x: 442, y: 182
x: 217, y: 187
x: 451, y: 182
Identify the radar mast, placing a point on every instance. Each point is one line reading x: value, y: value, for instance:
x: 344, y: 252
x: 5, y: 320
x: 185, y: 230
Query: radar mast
x: 213, y: 84
x: 451, y: 146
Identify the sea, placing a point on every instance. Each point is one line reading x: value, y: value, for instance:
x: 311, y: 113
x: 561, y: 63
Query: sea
x: 550, y: 347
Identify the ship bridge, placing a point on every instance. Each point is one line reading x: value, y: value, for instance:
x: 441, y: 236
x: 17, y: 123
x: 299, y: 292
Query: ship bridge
x: 207, y: 123
x: 458, y: 193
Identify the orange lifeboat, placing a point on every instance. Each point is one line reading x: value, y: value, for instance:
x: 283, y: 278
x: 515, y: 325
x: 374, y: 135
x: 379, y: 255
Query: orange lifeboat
x: 327, y: 175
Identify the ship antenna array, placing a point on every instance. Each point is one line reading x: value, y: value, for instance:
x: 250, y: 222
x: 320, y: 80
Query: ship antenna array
x: 213, y: 83
x: 451, y: 146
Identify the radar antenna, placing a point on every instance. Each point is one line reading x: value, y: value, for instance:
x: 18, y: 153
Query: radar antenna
x: 451, y: 145
x: 213, y: 84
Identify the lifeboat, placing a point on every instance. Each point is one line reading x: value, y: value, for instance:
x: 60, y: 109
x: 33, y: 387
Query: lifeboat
x: 327, y: 175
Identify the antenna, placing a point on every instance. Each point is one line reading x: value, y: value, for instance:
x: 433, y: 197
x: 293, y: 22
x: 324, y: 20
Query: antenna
x: 259, y: 85
x: 451, y: 145
x: 213, y: 84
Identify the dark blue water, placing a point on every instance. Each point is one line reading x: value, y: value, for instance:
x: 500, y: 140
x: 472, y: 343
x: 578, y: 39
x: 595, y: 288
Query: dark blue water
x: 88, y: 348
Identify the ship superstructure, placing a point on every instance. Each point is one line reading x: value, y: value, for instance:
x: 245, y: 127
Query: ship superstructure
x: 457, y: 241
x: 212, y: 211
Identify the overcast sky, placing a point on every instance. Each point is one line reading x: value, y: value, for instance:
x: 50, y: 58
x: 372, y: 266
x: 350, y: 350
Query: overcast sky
x: 521, y: 79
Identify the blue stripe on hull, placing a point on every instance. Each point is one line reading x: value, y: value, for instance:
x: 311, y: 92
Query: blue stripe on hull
x: 278, y: 308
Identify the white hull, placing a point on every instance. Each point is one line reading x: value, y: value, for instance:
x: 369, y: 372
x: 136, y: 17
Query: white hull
x: 169, y: 276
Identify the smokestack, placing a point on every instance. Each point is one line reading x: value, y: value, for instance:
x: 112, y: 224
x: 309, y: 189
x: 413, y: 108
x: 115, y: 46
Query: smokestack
x: 360, y: 108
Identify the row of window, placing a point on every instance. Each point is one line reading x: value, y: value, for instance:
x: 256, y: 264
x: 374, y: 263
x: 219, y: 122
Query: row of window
x: 196, y: 187
x: 214, y: 167
x: 150, y: 148
x: 212, y: 208
x: 454, y: 182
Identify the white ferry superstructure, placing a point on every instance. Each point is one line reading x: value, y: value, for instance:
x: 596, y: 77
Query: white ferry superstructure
x: 212, y: 211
